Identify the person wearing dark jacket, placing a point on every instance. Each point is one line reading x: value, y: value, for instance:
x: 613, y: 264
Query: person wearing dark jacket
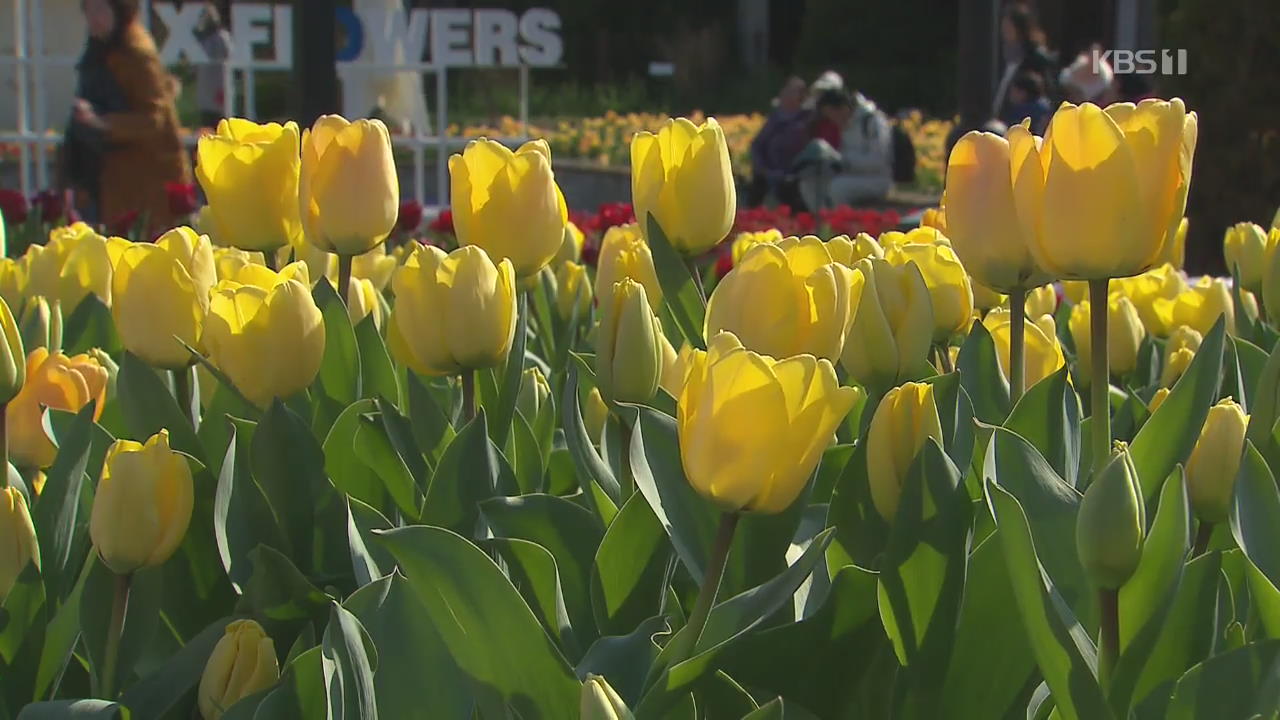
x: 774, y: 149
x: 1024, y: 51
x: 122, y: 144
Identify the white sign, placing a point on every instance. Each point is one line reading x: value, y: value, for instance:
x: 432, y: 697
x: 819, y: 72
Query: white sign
x: 450, y: 37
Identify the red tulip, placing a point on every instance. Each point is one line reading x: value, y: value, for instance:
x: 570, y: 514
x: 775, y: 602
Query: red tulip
x: 14, y: 206
x: 410, y: 218
x: 182, y: 198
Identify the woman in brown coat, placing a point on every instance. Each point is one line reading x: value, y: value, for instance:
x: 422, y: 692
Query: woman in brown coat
x: 122, y: 143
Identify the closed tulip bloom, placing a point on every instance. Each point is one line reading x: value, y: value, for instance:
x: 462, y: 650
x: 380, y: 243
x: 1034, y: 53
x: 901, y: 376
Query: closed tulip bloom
x: 1124, y: 336
x: 744, y: 241
x: 1147, y: 291
x: 1115, y: 187
x: 534, y: 393
x: 752, y: 429
x: 629, y: 346
x: 364, y: 300
x: 249, y: 173
x: 948, y: 283
x: 1244, y: 246
x: 1183, y: 337
x: 1175, y: 365
x: 453, y: 312
x: 13, y: 359
x: 1200, y: 306
x: 1042, y: 352
x: 1158, y: 399
x: 922, y: 235
x: 376, y: 266
x: 348, y: 191
x: 848, y: 251
x: 194, y: 251
x: 674, y: 366
x: 508, y: 203
x: 268, y: 341
x: 785, y: 299
x: 934, y: 218
x: 984, y: 298
x: 1175, y: 250
x: 41, y: 324
x: 573, y: 290
x: 57, y: 382
x: 1111, y: 523
x: 13, y: 281
x: 594, y: 415
x: 18, y: 544
x: 1042, y: 301
x: 73, y: 266
x: 143, y: 504
x: 625, y: 254
x: 242, y: 663
x: 892, y: 324
x: 993, y: 185
x: 1212, y: 467
x: 571, y: 247
x: 158, y: 304
x: 227, y: 261
x: 906, y: 417
x: 261, y: 276
x: 684, y: 178
x: 599, y: 701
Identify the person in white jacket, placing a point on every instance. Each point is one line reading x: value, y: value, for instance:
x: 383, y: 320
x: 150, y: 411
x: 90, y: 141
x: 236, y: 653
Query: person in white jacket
x: 863, y: 171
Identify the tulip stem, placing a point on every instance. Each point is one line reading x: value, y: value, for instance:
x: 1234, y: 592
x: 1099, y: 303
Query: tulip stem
x: 4, y: 444
x: 1203, y: 533
x: 182, y: 392
x: 692, y: 264
x: 1100, y: 385
x: 468, y: 396
x: 344, y: 278
x: 269, y: 259
x: 1109, y: 630
x: 944, y: 359
x: 119, y: 605
x: 1017, y: 343
x: 688, y: 637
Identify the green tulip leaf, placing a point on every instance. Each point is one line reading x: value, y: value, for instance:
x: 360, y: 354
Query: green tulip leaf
x: 861, y: 533
x: 1048, y: 417
x: 629, y: 569
x: 834, y: 461
x: 415, y: 669
x: 470, y: 471
x: 349, y: 659
x: 75, y: 710
x: 535, y: 573
x: 1237, y: 685
x: 429, y: 419
x: 679, y: 293
x: 299, y: 694
x: 277, y: 590
x: 90, y: 326
x: 955, y: 411
x: 372, y: 445
x: 399, y: 430
x: 592, y: 469
x: 980, y: 375
x: 155, y: 694
x: 367, y: 558
x: 624, y: 659
x: 1170, y: 434
x: 61, y: 635
x: 345, y: 466
x: 288, y: 462
x: 505, y: 408
x: 377, y: 374
x: 141, y: 620
x: 1255, y: 525
x: 525, y: 454
x: 242, y: 515
x: 63, y: 508
x: 1264, y: 409
x: 20, y: 615
x: 496, y: 640
x: 149, y: 406
x: 340, y: 369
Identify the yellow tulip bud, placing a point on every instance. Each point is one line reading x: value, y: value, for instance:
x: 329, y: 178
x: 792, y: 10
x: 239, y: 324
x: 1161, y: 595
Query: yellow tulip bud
x: 993, y: 185
x: 227, y: 261
x: 1077, y: 291
x: 249, y: 173
x: 376, y: 266
x: 1158, y: 399
x: 453, y: 312
x: 848, y: 251
x: 1124, y: 337
x: 629, y: 347
x: 508, y: 203
x: 594, y: 415
x: 684, y: 178
x: 571, y: 247
x: 1148, y: 293
x: 934, y: 218
x: 1200, y: 306
x: 984, y: 298
x: 74, y: 265
x: 268, y: 341
x: 785, y: 299
x: 906, y: 417
x: 1115, y: 187
x: 347, y: 189
x: 1175, y: 249
x: 194, y: 251
x: 534, y: 393
x: 752, y: 429
x: 1042, y: 301
x: 157, y: 304
x: 1176, y: 363
x: 13, y: 359
x: 922, y: 235
x: 364, y: 300
x: 949, y: 290
x: 747, y: 240
x: 625, y: 254
x: 242, y: 663
x: 53, y: 381
x: 892, y: 323
x: 600, y: 702
x: 143, y: 504
x: 1111, y: 522
x: 13, y: 281
x: 573, y: 290
x: 1183, y: 337
x: 1244, y: 246
x: 18, y: 544
x: 1212, y: 467
x: 674, y: 366
x: 1042, y: 353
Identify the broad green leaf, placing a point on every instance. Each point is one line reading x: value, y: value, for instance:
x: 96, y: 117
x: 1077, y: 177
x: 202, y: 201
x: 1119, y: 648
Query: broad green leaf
x: 372, y: 445
x: 58, y: 512
x: 74, y: 710
x: 625, y: 659
x: 89, y: 326
x: 20, y: 618
x: 377, y: 374
x: 430, y: 420
x: 368, y: 559
x: 525, y: 456
x: 299, y: 694
x: 349, y: 659
x: 1236, y: 685
x: 242, y: 516
x: 344, y: 465
x: 861, y: 533
x: 680, y: 294
x: 340, y: 366
x: 155, y: 694
x: 592, y: 469
x: 61, y: 636
x: 149, y: 407
x: 141, y: 619
x: 1169, y: 436
x: 277, y: 590
x: 536, y: 574
x: 955, y: 411
x: 1048, y: 417
x: 1255, y: 514
x: 830, y: 470
x: 629, y: 569
x: 469, y: 472
x: 488, y: 629
x: 1264, y: 408
x: 288, y: 463
x: 504, y: 410
x: 980, y: 375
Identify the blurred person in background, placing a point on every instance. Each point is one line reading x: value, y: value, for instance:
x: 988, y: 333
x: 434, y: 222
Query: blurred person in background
x: 775, y: 147
x: 122, y: 140
x: 858, y: 167
x: 1027, y: 99
x: 1024, y: 50
x: 1087, y: 81
x: 211, y: 74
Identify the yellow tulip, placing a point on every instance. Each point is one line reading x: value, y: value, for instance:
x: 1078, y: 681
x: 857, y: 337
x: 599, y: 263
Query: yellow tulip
x: 594, y: 415
x: 923, y: 235
x: 1111, y: 522
x: 892, y: 323
x: 747, y: 240
x: 1124, y: 337
x: 41, y: 324
x: 73, y: 266
x: 18, y: 544
x: 376, y: 266
x: 242, y: 663
x: 1249, y: 304
x: 1212, y: 467
x: 785, y: 299
x: 1147, y: 291
x: 1200, y: 306
x: 13, y: 358
x: 250, y: 174
x: 508, y: 203
x: 906, y: 417
x: 599, y: 701
x: 364, y: 300
x: 261, y: 276
x: 674, y: 366
x: 348, y: 191
x: 1158, y: 399
x: 1077, y: 291
x: 1244, y: 246
x: 13, y: 281
x: 684, y: 178
x: 573, y: 290
x: 848, y: 251
x: 1175, y: 251
x: 57, y: 382
x: 948, y: 283
x: 162, y: 296
x: 227, y: 261
x: 1183, y: 337
x: 984, y: 298
x: 752, y: 429
x: 143, y: 504
x: 1042, y: 353
x: 625, y: 254
x: 1175, y: 365
x: 534, y: 393
x: 1115, y: 187
x: 934, y: 218
x: 571, y: 247
x: 629, y: 358
x: 268, y: 340
x: 993, y: 184
x: 1042, y: 301
x: 453, y: 312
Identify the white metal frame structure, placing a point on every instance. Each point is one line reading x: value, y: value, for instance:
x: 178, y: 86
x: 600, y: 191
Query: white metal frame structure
x: 34, y: 141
